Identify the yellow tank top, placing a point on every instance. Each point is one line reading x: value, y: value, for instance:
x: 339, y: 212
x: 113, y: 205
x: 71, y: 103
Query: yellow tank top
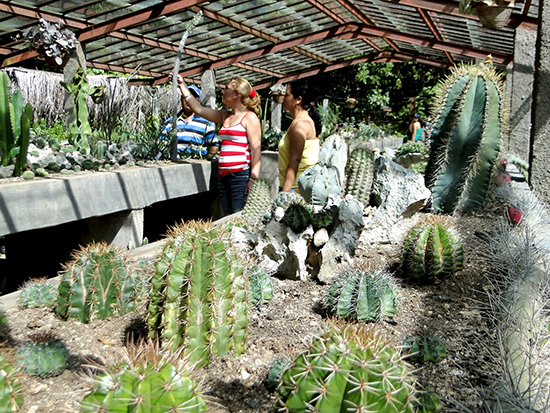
x: 310, y: 155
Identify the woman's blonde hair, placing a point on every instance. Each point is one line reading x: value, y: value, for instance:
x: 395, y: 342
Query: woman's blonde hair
x: 250, y: 102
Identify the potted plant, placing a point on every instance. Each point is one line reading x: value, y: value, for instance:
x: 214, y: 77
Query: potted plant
x: 493, y: 14
x: 52, y: 41
x: 277, y: 92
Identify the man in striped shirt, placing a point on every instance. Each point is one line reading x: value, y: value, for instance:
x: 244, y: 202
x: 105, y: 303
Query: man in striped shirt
x: 196, y: 136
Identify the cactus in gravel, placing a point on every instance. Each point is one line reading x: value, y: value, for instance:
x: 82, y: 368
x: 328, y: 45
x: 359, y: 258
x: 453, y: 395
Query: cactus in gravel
x: 276, y: 370
x: 347, y: 371
x: 260, y: 287
x: 432, y: 249
x: 420, y: 348
x: 149, y: 380
x: 297, y: 217
x: 257, y: 202
x: 466, y: 138
x: 4, y: 327
x: 363, y: 295
x: 42, y: 357
x: 11, y: 395
x: 37, y: 294
x: 98, y: 283
x: 199, y: 297
x: 360, y: 175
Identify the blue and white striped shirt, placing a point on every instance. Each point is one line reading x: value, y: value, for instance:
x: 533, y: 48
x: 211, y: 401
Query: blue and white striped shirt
x: 194, y: 137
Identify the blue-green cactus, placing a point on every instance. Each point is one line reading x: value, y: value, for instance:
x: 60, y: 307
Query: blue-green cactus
x: 37, y: 294
x: 45, y: 357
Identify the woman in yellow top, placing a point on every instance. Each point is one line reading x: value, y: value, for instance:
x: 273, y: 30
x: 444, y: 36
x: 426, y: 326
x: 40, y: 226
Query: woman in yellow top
x: 299, y: 148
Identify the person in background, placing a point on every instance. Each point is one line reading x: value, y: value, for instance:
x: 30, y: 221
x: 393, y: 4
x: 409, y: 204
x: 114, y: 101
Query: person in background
x: 240, y: 136
x: 415, y: 129
x: 196, y: 136
x: 299, y: 147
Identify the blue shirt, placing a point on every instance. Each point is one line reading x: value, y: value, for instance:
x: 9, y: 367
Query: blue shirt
x: 194, y: 137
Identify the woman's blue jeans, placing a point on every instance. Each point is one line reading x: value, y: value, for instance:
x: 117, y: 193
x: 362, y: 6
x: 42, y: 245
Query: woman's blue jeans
x: 231, y: 189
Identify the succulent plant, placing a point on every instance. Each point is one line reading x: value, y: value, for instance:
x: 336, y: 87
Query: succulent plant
x: 347, y: 370
x: 199, y: 297
x: 297, y: 217
x: 325, y: 218
x: 420, y: 348
x: 285, y: 199
x: 37, y: 294
x: 360, y: 174
x: 466, y: 138
x: 4, y: 327
x: 428, y: 402
x: 257, y: 202
x: 276, y: 370
x: 260, y: 287
x: 334, y: 154
x: 44, y: 356
x: 432, y: 249
x: 363, y: 295
x: 11, y: 396
x: 149, y: 380
x: 98, y: 283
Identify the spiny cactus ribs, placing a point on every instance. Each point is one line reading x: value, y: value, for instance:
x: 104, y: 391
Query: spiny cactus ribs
x: 11, y: 395
x: 44, y: 356
x: 257, y: 202
x: 37, y: 294
x: 360, y: 174
x: 199, y: 297
x: 347, y: 369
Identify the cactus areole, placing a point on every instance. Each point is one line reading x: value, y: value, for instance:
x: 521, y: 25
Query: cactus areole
x: 466, y: 139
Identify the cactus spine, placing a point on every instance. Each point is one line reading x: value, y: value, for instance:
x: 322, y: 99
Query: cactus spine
x: 11, y: 396
x: 360, y: 174
x: 363, y: 295
x: 43, y: 357
x: 150, y: 380
x: 466, y: 138
x: 199, y: 296
x: 432, y: 249
x: 97, y: 283
x: 345, y: 371
x: 257, y: 203
x: 37, y: 294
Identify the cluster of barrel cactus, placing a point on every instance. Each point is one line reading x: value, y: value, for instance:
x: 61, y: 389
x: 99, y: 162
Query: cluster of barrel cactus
x: 363, y: 295
x: 37, y: 294
x: 432, y: 249
x: 199, y: 296
x: 260, y: 287
x: 360, y: 174
x: 98, y: 283
x: 44, y: 356
x: 150, y: 380
x: 11, y: 396
x: 257, y: 202
x: 466, y: 138
x: 347, y: 369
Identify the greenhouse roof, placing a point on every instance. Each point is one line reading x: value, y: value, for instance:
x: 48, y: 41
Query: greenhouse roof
x: 265, y: 41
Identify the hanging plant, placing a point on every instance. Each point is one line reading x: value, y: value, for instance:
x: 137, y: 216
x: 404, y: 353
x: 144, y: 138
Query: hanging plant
x: 52, y: 41
x: 493, y: 14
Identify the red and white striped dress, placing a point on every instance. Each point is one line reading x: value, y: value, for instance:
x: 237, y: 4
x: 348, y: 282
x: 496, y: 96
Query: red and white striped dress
x: 234, y: 149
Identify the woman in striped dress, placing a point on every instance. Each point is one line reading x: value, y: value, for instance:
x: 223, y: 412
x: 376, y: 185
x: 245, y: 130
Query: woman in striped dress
x: 240, y: 137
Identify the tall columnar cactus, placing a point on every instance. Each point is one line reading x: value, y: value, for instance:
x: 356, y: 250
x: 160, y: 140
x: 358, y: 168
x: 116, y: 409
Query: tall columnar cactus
x: 432, y: 249
x: 466, y: 138
x: 199, y: 296
x: 344, y: 372
x: 363, y: 295
x: 258, y: 202
x: 150, y: 380
x: 42, y: 357
x: 98, y: 283
x: 11, y: 396
x: 15, y: 124
x: 360, y: 174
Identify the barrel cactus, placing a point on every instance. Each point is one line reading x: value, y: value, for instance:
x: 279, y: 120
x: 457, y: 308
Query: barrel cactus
x: 466, y: 138
x: 258, y: 202
x: 420, y: 348
x: 285, y: 199
x: 98, y: 283
x: 260, y: 287
x: 37, y: 294
x: 360, y: 174
x: 344, y: 371
x: 11, y: 396
x: 4, y: 327
x: 297, y: 217
x: 44, y: 356
x: 149, y: 380
x: 432, y: 249
x: 199, y: 296
x: 363, y: 295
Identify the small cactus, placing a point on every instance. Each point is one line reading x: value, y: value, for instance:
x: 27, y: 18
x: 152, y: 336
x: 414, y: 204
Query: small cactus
x: 347, y: 370
x: 37, y: 294
x: 98, y: 283
x: 4, y: 327
x: 360, y: 174
x: 325, y: 218
x: 432, y: 249
x: 260, y: 287
x: 297, y: 217
x: 285, y: 199
x: 257, y: 202
x: 150, y: 379
x: 363, y: 295
x: 276, y: 370
x: 425, y: 349
x: 11, y: 396
x: 42, y: 357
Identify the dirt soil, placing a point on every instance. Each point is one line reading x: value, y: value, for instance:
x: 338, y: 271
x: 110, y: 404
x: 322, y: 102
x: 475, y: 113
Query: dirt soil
x: 454, y: 309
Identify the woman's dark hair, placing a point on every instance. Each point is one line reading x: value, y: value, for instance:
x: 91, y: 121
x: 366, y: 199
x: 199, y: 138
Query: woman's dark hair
x: 300, y: 88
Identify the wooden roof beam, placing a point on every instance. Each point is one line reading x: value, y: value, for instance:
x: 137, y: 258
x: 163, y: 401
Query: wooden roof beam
x: 433, y: 28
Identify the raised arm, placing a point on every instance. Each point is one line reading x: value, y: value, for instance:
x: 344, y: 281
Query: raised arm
x: 213, y: 115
